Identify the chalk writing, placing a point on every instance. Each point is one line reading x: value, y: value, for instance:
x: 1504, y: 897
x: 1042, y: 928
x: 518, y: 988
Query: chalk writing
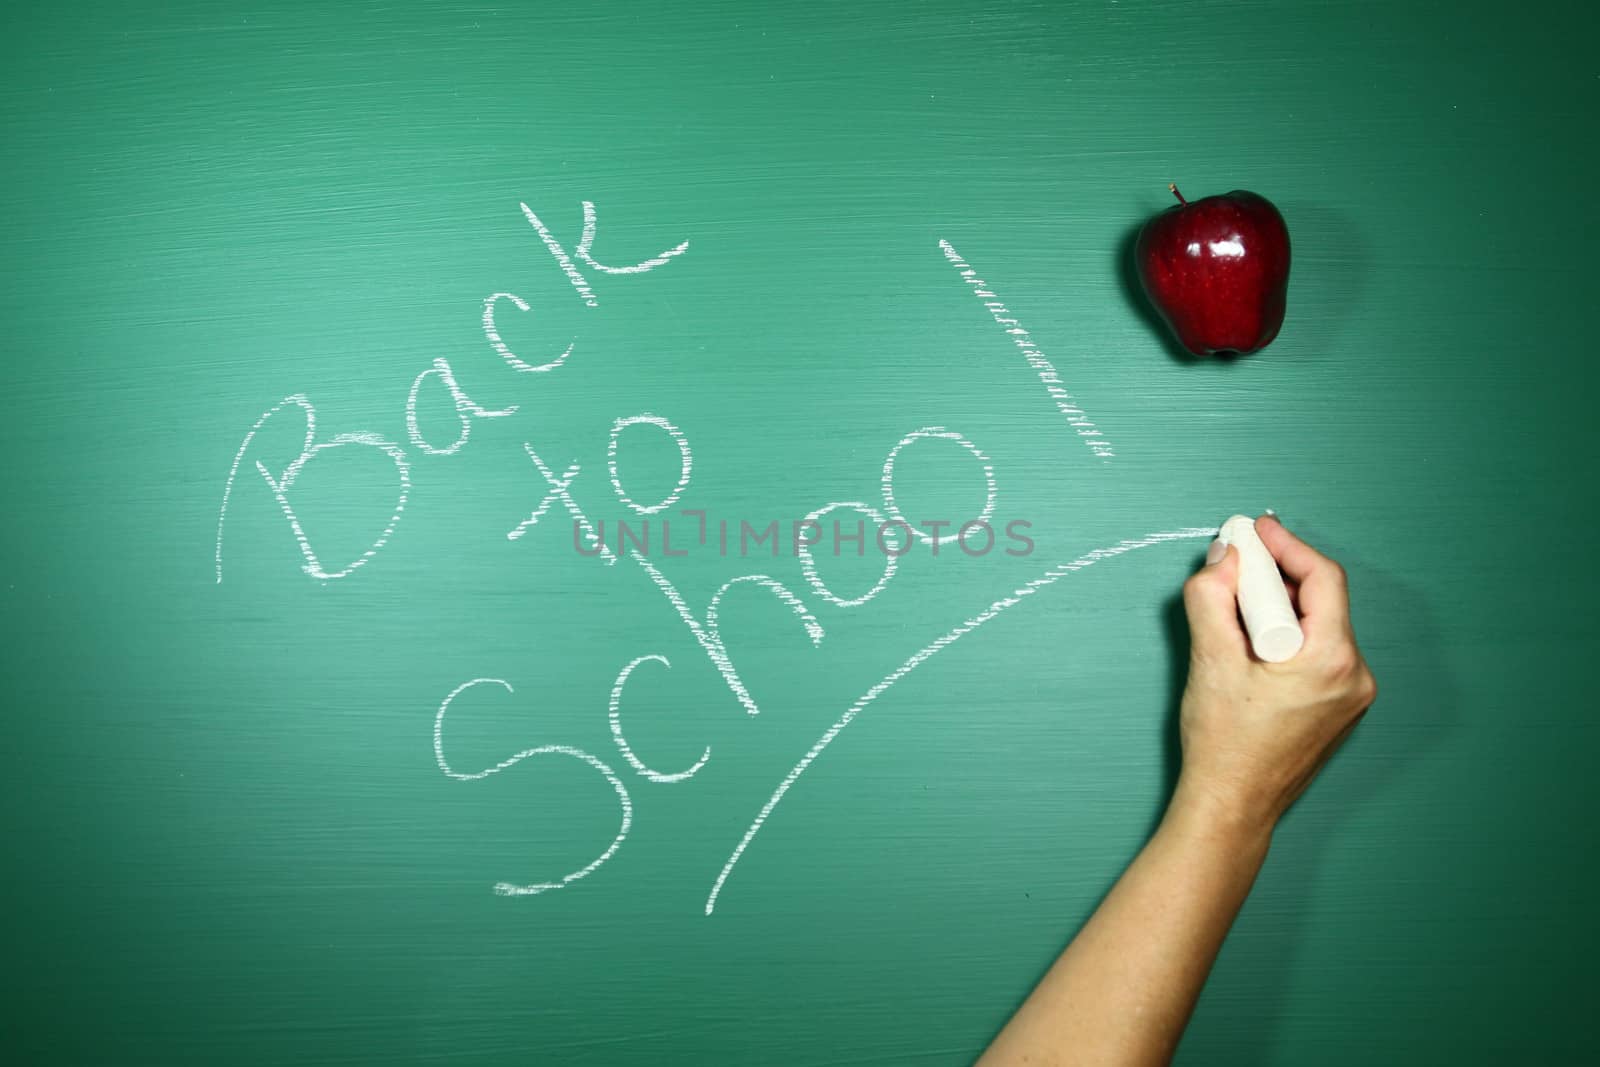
x: 686, y: 460
x: 561, y: 489
x: 1041, y: 364
x: 466, y: 410
x: 921, y: 656
x: 511, y: 889
x: 708, y: 635
x: 706, y: 630
x: 284, y: 481
x: 491, y: 332
x: 585, y: 242
x: 808, y: 563
x: 622, y: 742
x: 991, y: 488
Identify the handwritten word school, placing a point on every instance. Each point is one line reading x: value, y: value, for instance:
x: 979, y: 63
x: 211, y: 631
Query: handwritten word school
x: 885, y: 515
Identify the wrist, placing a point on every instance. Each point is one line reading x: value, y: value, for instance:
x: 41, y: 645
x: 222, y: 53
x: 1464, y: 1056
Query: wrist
x: 1219, y: 815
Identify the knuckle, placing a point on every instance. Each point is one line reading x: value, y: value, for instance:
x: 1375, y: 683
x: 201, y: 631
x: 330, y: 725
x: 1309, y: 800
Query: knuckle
x: 1342, y: 661
x: 1337, y: 573
x: 1196, y: 585
x: 1367, y: 688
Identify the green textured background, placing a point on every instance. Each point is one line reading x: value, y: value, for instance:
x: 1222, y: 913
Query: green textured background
x: 227, y: 838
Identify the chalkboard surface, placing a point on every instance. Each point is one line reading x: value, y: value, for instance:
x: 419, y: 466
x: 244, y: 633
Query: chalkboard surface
x: 339, y: 334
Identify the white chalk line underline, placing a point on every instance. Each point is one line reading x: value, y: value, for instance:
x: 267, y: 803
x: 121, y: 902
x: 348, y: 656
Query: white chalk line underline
x: 1044, y: 581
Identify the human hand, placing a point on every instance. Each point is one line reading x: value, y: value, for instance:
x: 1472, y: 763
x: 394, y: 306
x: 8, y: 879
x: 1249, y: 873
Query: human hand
x: 1254, y: 733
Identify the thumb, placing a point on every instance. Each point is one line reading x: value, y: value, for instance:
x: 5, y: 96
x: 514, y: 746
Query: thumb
x: 1210, y: 599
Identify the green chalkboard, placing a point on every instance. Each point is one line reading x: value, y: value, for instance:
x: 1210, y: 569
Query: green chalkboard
x: 334, y: 738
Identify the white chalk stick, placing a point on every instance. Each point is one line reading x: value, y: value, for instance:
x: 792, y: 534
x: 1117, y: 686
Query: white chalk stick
x: 1269, y: 618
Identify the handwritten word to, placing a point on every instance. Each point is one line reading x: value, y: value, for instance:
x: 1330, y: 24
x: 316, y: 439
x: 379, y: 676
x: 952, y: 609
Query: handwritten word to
x: 557, y: 490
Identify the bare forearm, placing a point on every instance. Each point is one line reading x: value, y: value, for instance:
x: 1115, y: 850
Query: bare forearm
x: 1254, y: 735
x: 1124, y: 989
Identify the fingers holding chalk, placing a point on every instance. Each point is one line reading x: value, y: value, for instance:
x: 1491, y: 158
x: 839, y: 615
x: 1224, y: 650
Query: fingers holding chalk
x: 1211, y: 604
x: 1297, y: 559
x: 1269, y: 617
x: 1321, y: 582
x: 1293, y: 589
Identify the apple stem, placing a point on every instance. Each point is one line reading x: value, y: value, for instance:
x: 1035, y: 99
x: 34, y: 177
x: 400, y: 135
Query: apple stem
x: 1174, y: 187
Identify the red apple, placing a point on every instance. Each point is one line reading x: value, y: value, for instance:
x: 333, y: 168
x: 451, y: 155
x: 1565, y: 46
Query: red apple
x: 1217, y: 270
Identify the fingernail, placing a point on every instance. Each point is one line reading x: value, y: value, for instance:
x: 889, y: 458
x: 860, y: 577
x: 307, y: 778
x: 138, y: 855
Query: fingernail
x: 1215, y: 553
